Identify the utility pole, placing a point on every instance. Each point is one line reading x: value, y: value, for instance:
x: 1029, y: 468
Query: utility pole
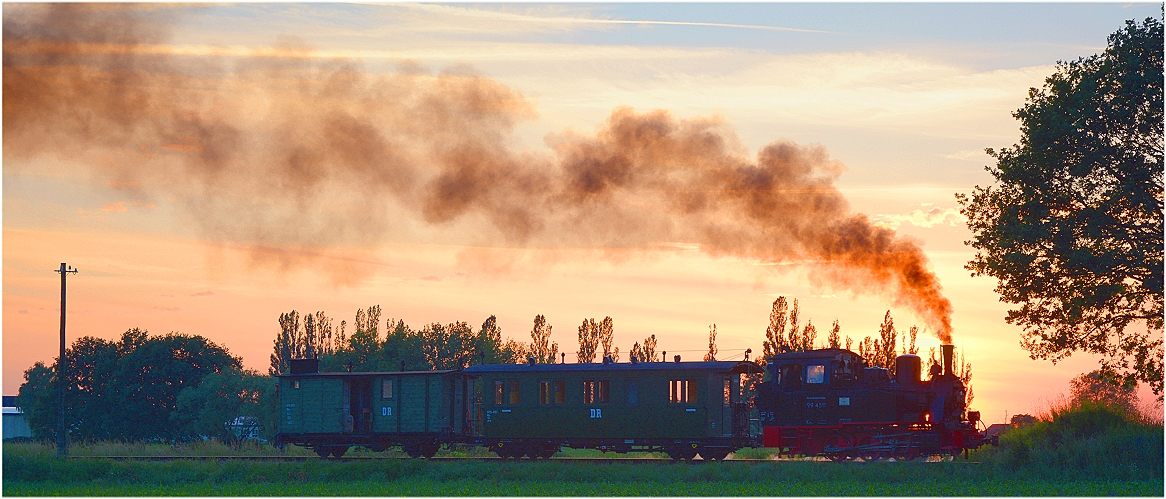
x: 62, y: 439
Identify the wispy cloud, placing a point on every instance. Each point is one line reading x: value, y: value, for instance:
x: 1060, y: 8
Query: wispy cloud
x: 110, y: 208
x: 968, y: 155
x: 124, y: 206
x: 921, y: 218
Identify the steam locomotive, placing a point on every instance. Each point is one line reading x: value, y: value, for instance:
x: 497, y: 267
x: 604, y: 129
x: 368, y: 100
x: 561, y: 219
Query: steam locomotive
x: 827, y: 402
x: 818, y: 402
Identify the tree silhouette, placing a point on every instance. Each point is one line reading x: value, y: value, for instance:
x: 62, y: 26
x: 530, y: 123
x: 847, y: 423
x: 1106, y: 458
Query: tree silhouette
x: 1073, y: 226
x: 588, y: 341
x: 541, y: 348
x: 775, y: 333
x: 833, y: 340
x: 711, y: 355
x: 605, y: 330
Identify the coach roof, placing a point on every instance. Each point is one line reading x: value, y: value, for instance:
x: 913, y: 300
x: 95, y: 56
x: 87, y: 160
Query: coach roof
x: 716, y: 366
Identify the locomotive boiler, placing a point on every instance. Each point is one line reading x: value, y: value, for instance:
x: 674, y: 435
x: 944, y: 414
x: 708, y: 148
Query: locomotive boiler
x: 828, y: 402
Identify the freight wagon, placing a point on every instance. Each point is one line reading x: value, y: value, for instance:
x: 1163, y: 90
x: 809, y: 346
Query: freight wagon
x: 330, y: 412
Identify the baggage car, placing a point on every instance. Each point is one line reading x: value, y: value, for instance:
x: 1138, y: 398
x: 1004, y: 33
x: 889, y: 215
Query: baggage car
x: 330, y: 412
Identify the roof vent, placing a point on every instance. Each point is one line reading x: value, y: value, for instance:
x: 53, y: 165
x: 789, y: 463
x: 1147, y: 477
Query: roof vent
x: 608, y: 360
x: 635, y: 360
x: 530, y: 360
x: 676, y: 359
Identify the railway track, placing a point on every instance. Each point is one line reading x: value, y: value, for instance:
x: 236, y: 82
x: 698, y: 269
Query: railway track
x: 601, y: 460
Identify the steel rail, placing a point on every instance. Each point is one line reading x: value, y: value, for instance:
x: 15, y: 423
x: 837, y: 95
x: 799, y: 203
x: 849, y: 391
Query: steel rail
x: 636, y: 460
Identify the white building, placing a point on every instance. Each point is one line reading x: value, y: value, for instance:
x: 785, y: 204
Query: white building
x: 14, y: 423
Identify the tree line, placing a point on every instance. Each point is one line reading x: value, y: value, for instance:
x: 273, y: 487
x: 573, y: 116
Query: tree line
x: 173, y: 387
x: 454, y: 345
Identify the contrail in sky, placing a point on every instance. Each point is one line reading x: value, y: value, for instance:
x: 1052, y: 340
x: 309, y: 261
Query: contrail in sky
x: 526, y: 18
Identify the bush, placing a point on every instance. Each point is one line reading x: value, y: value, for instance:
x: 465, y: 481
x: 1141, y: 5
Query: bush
x: 1082, y: 439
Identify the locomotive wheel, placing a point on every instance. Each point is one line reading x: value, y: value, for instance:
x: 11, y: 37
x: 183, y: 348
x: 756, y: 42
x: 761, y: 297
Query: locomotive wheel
x: 338, y: 452
x: 868, y: 455
x: 714, y: 454
x: 842, y: 444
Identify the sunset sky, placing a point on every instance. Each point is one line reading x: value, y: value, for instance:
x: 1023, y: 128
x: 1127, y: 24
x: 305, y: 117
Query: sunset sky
x: 249, y: 179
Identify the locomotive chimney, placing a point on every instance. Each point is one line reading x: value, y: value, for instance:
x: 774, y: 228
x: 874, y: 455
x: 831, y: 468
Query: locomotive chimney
x: 947, y: 352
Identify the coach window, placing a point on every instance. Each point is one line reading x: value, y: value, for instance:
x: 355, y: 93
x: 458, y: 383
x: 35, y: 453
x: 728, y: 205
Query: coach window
x: 633, y: 393
x: 682, y: 390
x: 295, y: 383
x: 560, y: 391
x: 387, y: 389
x: 588, y: 392
x: 815, y: 374
x: 728, y: 389
x: 514, y: 392
x: 544, y: 392
x: 498, y: 388
x: 603, y: 394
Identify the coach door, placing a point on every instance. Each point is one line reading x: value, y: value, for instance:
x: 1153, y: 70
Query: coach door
x: 360, y: 404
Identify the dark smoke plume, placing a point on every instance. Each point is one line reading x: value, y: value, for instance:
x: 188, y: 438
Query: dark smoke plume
x: 282, y: 149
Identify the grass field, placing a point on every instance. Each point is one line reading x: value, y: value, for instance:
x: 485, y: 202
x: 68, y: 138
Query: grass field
x: 34, y: 470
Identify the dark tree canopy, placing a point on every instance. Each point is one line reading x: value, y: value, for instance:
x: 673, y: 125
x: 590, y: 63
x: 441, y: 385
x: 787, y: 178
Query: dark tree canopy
x: 123, y: 390
x: 1072, y: 227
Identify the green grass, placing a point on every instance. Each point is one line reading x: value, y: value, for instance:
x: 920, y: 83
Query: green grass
x: 31, y: 471
x: 1079, y: 450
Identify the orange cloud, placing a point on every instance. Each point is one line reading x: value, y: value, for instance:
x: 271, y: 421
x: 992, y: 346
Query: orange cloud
x: 123, y: 206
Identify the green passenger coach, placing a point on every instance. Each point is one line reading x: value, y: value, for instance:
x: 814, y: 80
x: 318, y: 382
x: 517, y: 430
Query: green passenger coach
x: 682, y: 408
x: 330, y: 412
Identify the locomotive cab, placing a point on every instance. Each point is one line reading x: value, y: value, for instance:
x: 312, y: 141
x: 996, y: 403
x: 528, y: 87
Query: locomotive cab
x: 810, y: 388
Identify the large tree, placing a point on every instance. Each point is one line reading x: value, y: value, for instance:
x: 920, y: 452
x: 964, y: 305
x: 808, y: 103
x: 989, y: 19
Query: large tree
x: 542, y: 349
x: 125, y: 390
x: 1072, y: 227
x: 588, y: 341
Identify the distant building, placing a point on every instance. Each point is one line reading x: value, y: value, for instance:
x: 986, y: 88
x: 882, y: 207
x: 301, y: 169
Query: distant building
x: 15, y: 426
x: 246, y: 428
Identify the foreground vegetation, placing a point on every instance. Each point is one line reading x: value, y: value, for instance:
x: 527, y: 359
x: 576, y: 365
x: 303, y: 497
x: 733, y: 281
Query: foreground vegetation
x: 1082, y: 448
x: 1085, y: 438
x: 32, y: 469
